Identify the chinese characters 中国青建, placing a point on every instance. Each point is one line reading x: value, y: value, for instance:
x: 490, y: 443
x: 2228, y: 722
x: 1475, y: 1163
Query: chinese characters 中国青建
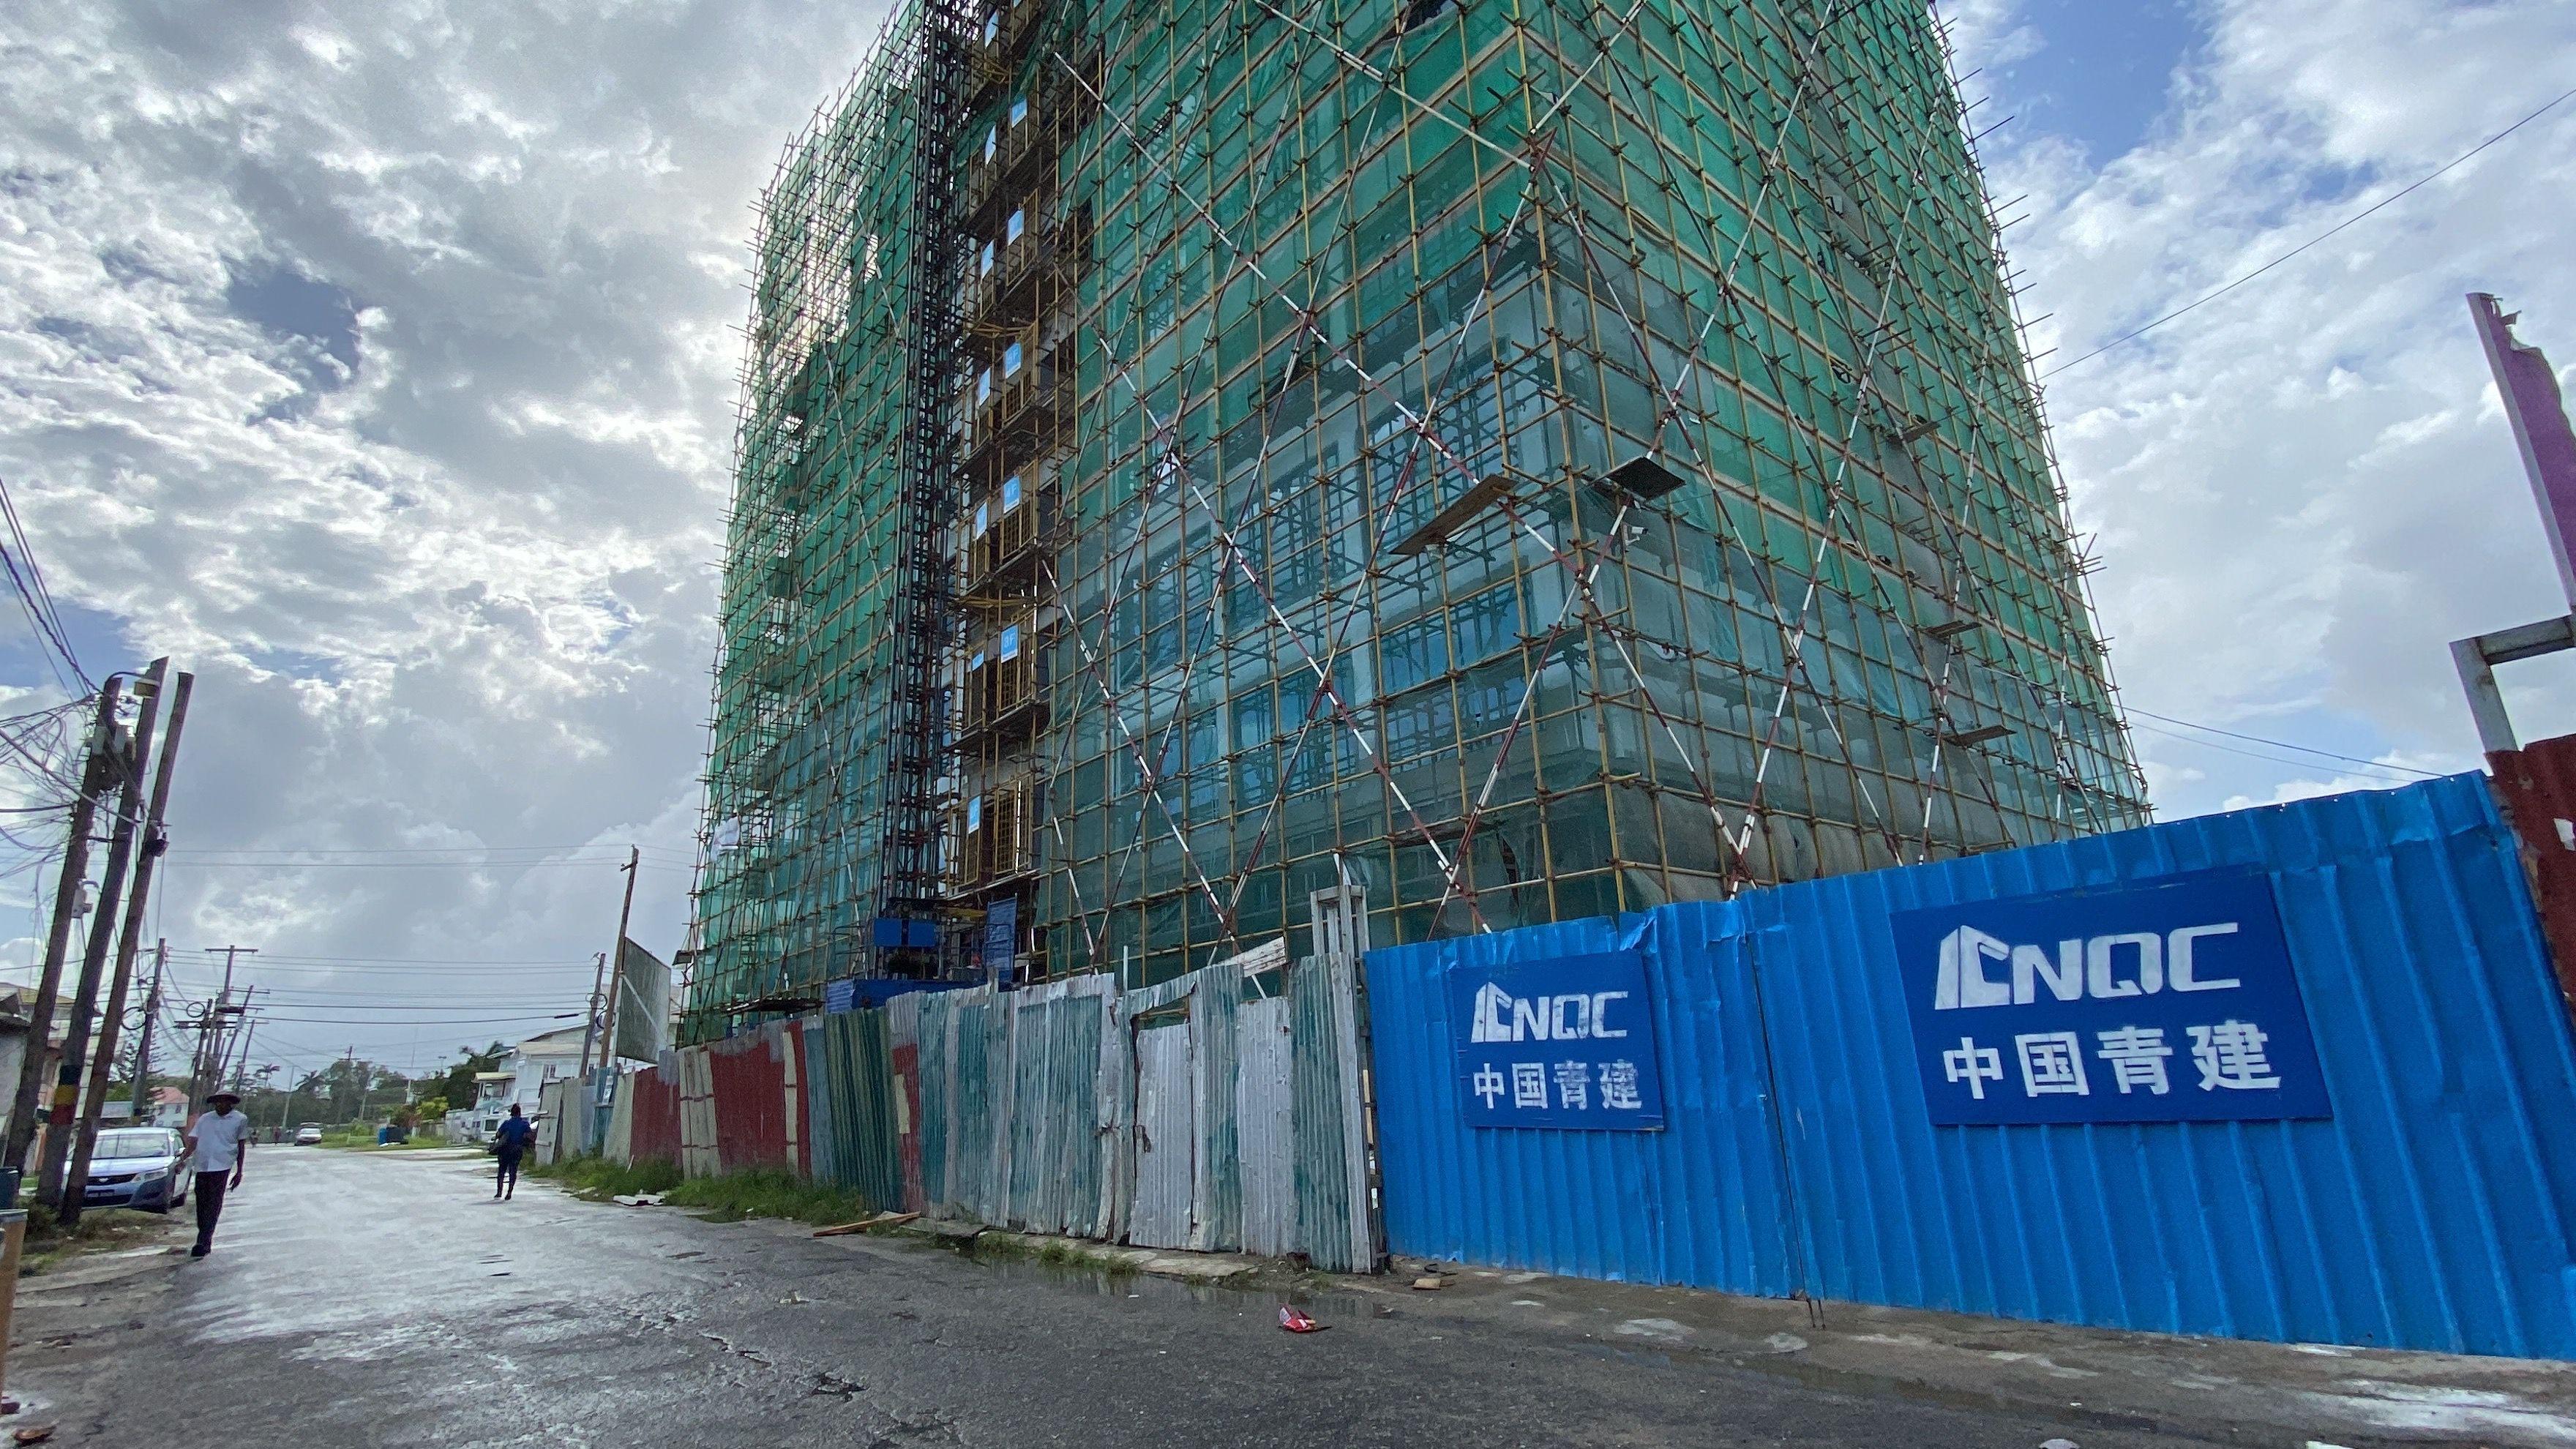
x: 2229, y: 1057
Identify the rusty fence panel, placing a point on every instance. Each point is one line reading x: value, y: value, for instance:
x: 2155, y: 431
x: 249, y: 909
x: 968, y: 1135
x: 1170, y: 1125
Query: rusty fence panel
x: 653, y: 1112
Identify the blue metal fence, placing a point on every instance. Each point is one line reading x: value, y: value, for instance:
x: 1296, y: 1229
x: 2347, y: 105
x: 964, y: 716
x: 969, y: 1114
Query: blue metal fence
x: 2429, y: 1211
x: 1700, y: 1203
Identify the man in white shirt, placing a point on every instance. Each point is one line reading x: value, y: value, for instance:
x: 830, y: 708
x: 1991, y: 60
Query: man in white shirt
x: 217, y: 1144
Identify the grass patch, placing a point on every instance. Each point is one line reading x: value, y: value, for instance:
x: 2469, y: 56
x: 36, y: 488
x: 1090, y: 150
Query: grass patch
x: 739, y: 1195
x: 729, y: 1198
x: 598, y: 1179
x: 49, y: 1245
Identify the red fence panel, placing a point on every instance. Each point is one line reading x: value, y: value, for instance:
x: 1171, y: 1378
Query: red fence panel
x: 752, y: 1128
x: 655, y: 1133
x: 2536, y: 786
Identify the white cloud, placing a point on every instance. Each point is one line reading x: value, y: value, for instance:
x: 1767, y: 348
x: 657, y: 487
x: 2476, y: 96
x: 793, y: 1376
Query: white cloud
x: 432, y: 512
x: 380, y: 367
x: 2303, y: 491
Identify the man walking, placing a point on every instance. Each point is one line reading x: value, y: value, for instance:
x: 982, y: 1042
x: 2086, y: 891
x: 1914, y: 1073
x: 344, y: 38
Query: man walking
x: 217, y: 1144
x: 511, y: 1142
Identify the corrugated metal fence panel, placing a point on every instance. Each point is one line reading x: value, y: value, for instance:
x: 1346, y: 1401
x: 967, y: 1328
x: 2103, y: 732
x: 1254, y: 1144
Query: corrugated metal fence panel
x: 1166, y: 1136
x: 1028, y: 1199
x: 1265, y: 1145
x: 750, y: 1095
x: 2537, y: 785
x: 654, y: 1135
x: 699, y: 1156
x: 616, y: 1146
x: 826, y: 1084
x: 903, y: 1058
x: 1335, y: 1227
x: 550, y: 1120
x: 1700, y: 1203
x: 873, y: 1163
x: 2428, y: 1212
x: 1054, y: 1152
x: 1216, y: 1183
x: 989, y: 1115
x: 788, y: 1044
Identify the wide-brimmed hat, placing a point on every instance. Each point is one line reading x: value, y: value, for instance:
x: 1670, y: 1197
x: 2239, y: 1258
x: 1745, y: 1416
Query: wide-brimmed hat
x: 223, y: 1094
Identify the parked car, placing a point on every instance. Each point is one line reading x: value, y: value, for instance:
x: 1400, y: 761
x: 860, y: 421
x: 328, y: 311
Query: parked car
x: 309, y: 1135
x: 137, y: 1167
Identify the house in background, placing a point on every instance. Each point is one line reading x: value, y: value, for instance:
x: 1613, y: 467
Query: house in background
x: 524, y: 1071
x: 169, y: 1108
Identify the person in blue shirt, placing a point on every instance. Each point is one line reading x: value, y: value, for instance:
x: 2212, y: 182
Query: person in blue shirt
x: 512, y: 1144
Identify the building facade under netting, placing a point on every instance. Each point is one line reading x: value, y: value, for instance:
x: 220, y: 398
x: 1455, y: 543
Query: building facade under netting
x: 1511, y: 460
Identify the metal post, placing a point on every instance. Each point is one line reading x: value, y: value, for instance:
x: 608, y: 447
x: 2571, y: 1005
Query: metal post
x: 2486, y: 702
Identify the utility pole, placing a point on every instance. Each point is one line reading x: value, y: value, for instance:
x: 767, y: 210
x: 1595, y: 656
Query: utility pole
x: 111, y: 890
x: 143, y: 1037
x: 617, y: 955
x: 67, y: 889
x: 103, y: 1066
x: 605, y: 1022
x: 212, y: 1050
x: 249, y: 1034
x: 590, y: 1023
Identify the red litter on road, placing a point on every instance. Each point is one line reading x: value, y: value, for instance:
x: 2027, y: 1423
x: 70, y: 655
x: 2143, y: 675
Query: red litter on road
x: 1294, y: 1320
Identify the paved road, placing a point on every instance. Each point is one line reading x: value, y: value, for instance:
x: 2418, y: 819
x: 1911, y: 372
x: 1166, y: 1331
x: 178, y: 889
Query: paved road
x: 371, y: 1300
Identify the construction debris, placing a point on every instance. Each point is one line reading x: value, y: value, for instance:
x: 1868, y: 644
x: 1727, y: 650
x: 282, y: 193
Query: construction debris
x: 881, y: 1220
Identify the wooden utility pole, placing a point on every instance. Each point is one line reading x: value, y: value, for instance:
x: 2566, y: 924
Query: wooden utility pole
x: 103, y: 1066
x: 102, y: 936
x: 604, y: 1022
x: 211, y: 1047
x: 617, y: 959
x: 143, y: 1037
x: 590, y: 1023
x: 40, y: 1014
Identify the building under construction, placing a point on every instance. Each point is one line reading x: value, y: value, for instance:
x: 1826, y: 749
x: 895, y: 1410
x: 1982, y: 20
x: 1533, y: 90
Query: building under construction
x: 1510, y: 460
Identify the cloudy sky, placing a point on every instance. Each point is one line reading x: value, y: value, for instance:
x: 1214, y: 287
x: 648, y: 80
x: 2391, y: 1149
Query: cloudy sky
x: 381, y: 370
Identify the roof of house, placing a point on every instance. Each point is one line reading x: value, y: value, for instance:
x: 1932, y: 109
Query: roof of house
x: 566, y: 1036
x: 169, y: 1097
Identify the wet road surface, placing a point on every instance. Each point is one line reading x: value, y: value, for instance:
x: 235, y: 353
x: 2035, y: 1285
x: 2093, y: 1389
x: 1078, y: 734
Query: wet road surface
x: 376, y: 1300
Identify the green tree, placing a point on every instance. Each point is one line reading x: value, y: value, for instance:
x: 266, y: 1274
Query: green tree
x: 455, y: 1085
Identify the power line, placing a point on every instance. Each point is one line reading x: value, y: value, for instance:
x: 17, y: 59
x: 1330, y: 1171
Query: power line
x: 2375, y: 207
x: 2253, y: 754
x: 445, y: 1021
x: 2287, y: 745
x: 36, y: 598
x: 673, y: 851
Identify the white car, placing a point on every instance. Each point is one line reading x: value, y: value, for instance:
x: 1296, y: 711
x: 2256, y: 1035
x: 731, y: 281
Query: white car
x: 309, y: 1135
x: 137, y: 1167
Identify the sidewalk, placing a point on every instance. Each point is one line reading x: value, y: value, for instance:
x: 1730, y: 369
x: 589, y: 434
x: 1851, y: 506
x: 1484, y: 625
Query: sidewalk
x: 2299, y: 1395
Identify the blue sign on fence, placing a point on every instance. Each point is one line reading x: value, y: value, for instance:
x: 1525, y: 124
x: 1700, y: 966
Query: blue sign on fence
x: 1564, y: 1043
x: 1001, y: 936
x: 2170, y: 1001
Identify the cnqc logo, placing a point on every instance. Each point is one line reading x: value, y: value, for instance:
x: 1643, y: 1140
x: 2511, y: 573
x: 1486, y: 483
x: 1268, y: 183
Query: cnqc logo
x: 1577, y: 1016
x: 2127, y: 963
